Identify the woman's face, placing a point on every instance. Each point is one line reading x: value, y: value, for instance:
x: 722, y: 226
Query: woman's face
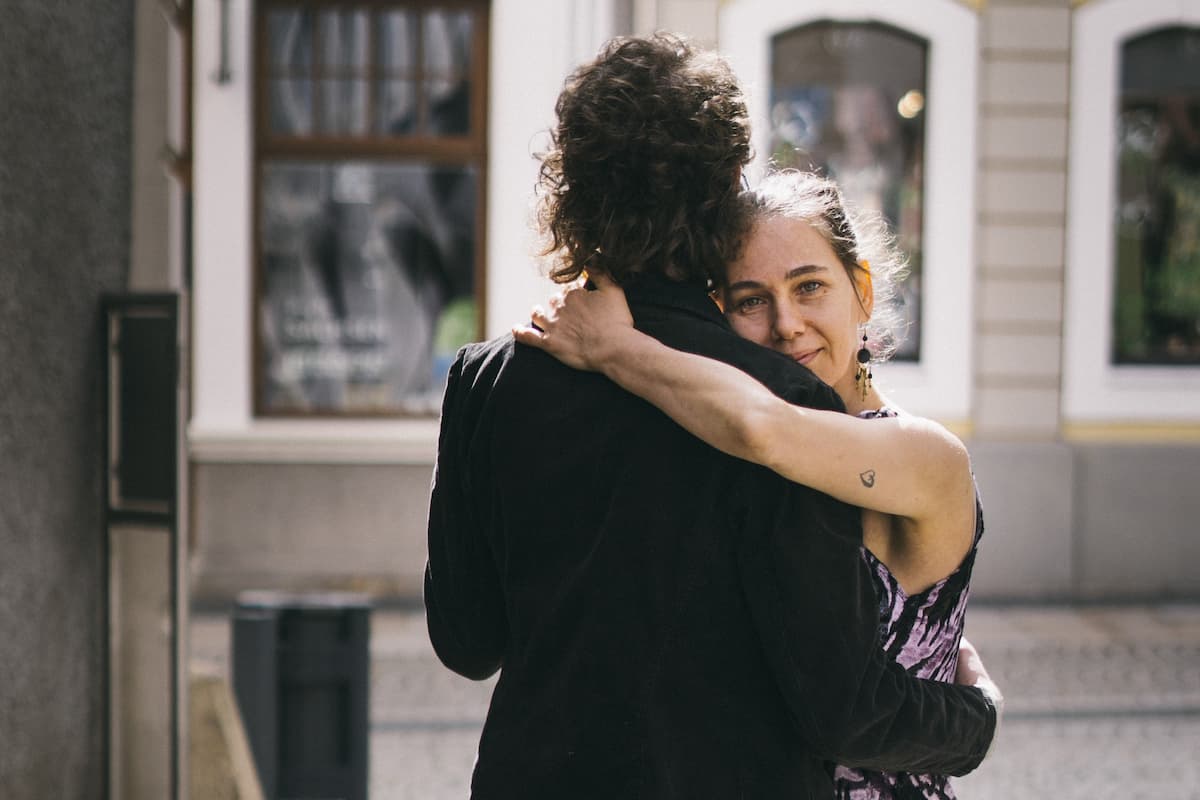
x: 788, y: 291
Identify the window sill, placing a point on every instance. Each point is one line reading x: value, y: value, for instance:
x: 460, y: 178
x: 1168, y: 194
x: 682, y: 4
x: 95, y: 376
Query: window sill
x: 410, y: 442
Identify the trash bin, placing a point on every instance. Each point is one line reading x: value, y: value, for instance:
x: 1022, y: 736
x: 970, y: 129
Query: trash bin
x: 301, y: 675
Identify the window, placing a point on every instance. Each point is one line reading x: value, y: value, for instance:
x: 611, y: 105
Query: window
x: 847, y: 99
x: 1157, y: 299
x: 867, y: 90
x: 1131, y: 343
x: 369, y: 176
x: 229, y: 422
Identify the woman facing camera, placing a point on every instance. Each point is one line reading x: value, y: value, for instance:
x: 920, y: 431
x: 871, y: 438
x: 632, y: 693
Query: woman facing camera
x: 814, y: 284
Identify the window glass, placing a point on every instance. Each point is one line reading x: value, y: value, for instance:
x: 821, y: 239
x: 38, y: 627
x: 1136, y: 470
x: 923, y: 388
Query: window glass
x: 848, y: 100
x: 344, y: 107
x: 290, y: 106
x: 289, y: 42
x: 397, y: 43
x: 290, y: 65
x: 391, y: 72
x: 343, y: 40
x: 1157, y: 297
x: 342, y: 44
x: 447, y: 40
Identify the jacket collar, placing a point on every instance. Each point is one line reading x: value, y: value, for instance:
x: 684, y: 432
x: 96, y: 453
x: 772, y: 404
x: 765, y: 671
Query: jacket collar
x: 657, y: 290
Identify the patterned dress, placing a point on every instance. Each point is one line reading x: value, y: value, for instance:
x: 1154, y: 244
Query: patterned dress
x: 922, y: 633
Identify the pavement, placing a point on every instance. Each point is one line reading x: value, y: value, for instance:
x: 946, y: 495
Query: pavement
x: 1102, y: 702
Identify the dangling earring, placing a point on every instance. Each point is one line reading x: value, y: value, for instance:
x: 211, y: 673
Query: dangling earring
x: 862, y: 376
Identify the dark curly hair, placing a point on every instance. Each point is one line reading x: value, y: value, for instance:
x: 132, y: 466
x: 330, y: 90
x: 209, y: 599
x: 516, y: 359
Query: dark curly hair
x: 642, y: 172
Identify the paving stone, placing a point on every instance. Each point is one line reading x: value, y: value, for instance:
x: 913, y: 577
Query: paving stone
x: 1102, y: 702
x: 1115, y: 758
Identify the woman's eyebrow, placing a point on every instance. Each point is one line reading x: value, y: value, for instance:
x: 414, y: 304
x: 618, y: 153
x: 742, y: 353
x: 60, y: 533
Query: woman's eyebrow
x: 792, y: 274
x: 805, y: 269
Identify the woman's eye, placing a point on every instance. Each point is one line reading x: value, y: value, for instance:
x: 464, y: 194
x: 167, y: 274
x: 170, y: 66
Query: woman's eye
x: 808, y: 287
x: 749, y: 304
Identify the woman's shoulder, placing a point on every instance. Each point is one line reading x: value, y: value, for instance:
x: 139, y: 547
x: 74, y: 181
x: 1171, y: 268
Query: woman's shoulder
x: 914, y: 424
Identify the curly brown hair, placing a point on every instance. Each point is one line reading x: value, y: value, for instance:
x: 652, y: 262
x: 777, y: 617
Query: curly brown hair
x: 642, y: 173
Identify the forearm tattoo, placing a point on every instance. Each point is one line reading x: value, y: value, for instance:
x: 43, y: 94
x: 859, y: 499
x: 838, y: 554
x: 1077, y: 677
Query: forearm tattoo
x: 867, y: 478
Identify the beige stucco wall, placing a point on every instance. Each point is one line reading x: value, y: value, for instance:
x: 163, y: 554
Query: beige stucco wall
x: 1022, y: 218
x: 357, y: 527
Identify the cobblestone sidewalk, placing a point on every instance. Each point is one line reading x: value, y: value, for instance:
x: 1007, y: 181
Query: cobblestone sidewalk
x: 1102, y: 702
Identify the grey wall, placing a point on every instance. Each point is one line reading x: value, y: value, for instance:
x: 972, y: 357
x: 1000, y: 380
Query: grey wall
x: 1140, y: 511
x: 64, y: 218
x: 1084, y: 521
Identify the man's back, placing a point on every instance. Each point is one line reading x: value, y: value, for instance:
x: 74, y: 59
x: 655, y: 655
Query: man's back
x: 631, y: 667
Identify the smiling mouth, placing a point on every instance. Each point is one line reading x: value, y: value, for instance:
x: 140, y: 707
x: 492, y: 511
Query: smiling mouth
x: 805, y: 358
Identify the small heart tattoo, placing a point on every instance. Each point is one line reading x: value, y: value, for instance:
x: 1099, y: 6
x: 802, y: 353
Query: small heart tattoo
x: 867, y: 478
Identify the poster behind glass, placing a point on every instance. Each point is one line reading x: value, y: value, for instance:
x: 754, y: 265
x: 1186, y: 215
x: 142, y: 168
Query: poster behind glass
x: 367, y: 288
x: 1157, y: 297
x: 847, y: 100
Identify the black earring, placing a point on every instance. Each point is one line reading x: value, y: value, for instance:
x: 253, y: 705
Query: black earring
x: 862, y: 376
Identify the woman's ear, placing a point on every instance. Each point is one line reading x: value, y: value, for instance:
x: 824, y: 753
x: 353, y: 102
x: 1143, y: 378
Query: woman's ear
x: 865, y: 288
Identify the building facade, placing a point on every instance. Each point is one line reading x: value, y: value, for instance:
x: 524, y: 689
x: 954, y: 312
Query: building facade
x: 360, y: 196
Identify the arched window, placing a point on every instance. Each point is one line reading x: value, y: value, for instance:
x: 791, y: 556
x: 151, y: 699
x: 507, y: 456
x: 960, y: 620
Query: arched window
x: 869, y: 91
x: 1132, y: 338
x: 848, y: 100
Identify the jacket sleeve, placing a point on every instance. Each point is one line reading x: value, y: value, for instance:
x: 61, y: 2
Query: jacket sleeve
x: 815, y: 608
x: 463, y: 606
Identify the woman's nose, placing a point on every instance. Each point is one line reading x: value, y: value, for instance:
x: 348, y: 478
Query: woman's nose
x: 789, y: 325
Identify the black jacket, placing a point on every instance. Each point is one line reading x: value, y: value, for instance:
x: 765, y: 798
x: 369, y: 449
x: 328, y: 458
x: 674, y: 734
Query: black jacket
x: 668, y: 622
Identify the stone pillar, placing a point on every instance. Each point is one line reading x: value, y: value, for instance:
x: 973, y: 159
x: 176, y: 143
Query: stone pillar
x: 1022, y: 183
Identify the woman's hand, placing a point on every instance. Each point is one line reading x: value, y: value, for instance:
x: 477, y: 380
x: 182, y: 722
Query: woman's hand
x: 580, y: 325
x: 971, y: 672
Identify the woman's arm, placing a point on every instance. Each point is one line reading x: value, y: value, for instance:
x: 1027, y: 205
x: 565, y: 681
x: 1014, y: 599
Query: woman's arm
x: 904, y: 465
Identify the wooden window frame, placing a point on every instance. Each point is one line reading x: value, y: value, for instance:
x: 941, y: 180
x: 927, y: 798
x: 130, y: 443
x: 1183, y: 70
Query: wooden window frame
x: 461, y: 150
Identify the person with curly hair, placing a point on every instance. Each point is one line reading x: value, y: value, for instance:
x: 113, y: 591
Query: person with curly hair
x: 667, y: 621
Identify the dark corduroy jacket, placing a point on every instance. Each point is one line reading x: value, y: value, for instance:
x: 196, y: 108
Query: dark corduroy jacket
x: 668, y: 622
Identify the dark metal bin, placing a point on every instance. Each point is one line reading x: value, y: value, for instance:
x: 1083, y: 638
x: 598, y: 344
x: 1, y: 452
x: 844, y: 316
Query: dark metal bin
x: 301, y: 675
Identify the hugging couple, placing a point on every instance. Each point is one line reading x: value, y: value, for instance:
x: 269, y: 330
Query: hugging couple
x: 708, y: 558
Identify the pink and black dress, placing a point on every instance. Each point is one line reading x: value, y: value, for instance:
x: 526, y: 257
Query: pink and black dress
x: 922, y: 633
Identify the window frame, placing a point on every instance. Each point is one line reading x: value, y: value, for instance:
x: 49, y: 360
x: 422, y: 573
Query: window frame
x: 939, y: 385
x: 459, y: 150
x: 1095, y: 390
